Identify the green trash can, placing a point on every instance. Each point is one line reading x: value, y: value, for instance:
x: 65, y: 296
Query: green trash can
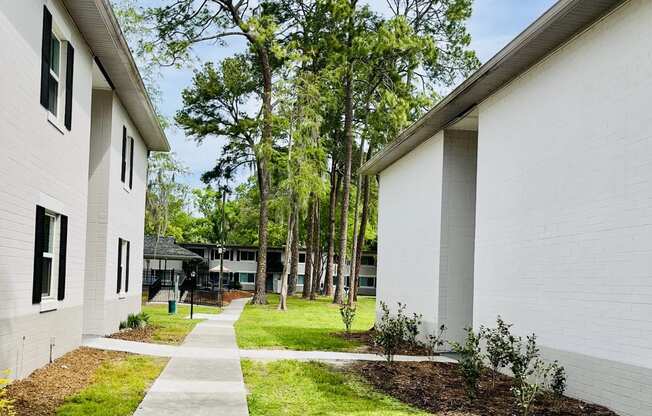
x: 172, y: 307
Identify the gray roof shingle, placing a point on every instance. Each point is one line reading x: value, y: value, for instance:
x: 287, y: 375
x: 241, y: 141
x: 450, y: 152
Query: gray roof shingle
x: 166, y: 249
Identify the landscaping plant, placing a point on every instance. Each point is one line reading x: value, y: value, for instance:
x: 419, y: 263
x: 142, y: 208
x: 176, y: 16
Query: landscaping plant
x: 394, y: 330
x: 135, y: 320
x: 557, y: 380
x: 498, y: 341
x: 435, y: 341
x: 347, y: 311
x: 6, y: 405
x: 529, y: 388
x: 470, y: 361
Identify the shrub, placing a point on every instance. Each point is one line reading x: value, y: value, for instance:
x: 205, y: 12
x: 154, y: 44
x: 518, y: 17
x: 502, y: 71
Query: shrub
x: 435, y: 341
x: 234, y: 285
x: 347, y: 311
x: 6, y: 405
x: 393, y: 331
x: 523, y: 358
x: 470, y: 361
x: 135, y: 320
x: 558, y: 380
x: 499, y: 341
x: 529, y: 388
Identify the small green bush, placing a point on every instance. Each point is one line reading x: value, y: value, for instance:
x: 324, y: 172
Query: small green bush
x: 558, y: 380
x: 347, y: 312
x: 470, y: 361
x: 435, y: 341
x: 498, y: 342
x: 394, y: 330
x: 135, y: 320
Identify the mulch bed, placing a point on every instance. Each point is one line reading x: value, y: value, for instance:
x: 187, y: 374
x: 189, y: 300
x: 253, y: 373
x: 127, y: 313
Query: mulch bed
x: 366, y: 338
x: 437, y: 387
x: 143, y: 334
x: 230, y: 295
x: 45, y: 389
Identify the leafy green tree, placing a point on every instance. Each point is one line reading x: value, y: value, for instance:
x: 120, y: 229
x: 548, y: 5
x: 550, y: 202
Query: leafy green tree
x: 182, y: 24
x: 164, y: 194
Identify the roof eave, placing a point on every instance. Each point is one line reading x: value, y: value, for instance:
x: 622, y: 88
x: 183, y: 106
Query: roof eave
x: 101, y: 31
x: 558, y: 25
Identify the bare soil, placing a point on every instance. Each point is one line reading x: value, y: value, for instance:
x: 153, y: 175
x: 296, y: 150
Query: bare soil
x: 45, y: 389
x: 438, y: 388
x: 230, y: 295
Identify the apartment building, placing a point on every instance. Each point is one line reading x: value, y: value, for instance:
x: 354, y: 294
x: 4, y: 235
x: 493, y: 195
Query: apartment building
x: 77, y: 126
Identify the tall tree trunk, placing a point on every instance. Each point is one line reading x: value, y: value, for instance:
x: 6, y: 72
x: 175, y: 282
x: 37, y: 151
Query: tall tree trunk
x: 364, y: 217
x: 353, y: 287
x: 294, y: 268
x: 332, y: 209
x: 316, y: 249
x: 283, y: 304
x: 346, y: 182
x: 260, y: 297
x: 307, y: 274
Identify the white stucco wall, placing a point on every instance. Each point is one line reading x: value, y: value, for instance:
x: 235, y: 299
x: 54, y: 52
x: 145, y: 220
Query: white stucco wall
x: 409, y: 221
x: 564, y: 209
x: 39, y: 164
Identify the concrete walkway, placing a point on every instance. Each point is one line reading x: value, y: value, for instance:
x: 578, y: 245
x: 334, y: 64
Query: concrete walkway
x: 203, y: 376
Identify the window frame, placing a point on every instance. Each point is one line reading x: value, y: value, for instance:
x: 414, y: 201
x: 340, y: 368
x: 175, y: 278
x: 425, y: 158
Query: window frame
x: 57, y: 118
x: 53, y: 255
x: 367, y: 279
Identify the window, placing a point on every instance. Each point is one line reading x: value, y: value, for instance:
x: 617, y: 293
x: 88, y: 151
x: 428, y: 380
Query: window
x: 247, y: 255
x: 50, y: 246
x: 215, y: 254
x: 123, y: 267
x: 247, y: 277
x: 367, y: 281
x: 54, y: 76
x: 302, y: 257
x: 368, y: 260
x: 127, y: 159
x: 300, y: 279
x: 57, y: 61
x: 49, y: 252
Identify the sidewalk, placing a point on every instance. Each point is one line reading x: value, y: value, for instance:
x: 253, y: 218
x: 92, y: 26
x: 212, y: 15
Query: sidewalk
x: 203, y: 376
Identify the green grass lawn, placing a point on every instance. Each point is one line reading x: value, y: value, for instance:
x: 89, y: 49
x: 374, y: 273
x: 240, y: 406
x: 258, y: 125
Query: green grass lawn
x: 293, y: 388
x: 306, y: 325
x: 117, y: 389
x: 172, y: 329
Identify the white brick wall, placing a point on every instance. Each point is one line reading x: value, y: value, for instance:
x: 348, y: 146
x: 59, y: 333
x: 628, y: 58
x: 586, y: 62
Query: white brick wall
x: 38, y: 165
x: 409, y: 221
x: 115, y: 212
x: 564, y: 209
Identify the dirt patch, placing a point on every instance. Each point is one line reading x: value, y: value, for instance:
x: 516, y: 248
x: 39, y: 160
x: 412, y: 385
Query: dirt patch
x: 45, y: 389
x: 437, y: 387
x: 366, y: 339
x: 143, y: 334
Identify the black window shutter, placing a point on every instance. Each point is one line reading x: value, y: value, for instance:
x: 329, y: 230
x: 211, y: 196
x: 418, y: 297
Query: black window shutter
x: 70, y: 63
x: 63, y: 248
x: 46, y: 46
x: 119, y: 285
x: 131, y: 163
x: 124, y: 154
x: 39, y: 237
x: 127, y: 270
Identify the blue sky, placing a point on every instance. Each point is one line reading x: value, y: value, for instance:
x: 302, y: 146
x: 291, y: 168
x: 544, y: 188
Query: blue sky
x: 493, y: 24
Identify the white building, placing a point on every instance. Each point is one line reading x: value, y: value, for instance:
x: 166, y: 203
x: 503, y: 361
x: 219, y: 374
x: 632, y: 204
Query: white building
x: 77, y: 126
x: 241, y: 262
x: 534, y: 180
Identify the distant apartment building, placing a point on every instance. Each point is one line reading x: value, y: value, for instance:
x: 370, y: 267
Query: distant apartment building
x: 77, y: 126
x: 240, y: 264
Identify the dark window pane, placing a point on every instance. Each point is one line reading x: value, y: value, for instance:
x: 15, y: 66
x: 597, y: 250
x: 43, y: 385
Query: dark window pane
x: 47, y: 273
x: 53, y: 95
x: 55, y: 53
